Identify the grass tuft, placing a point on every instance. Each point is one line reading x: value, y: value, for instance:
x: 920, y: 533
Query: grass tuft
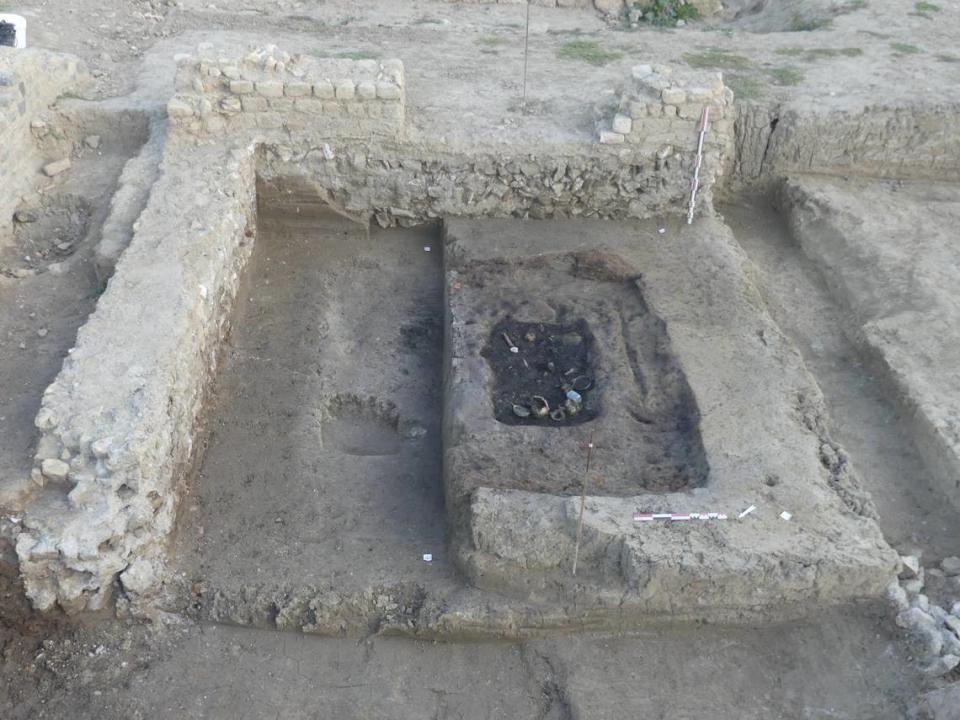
x: 716, y: 58
x: 812, y: 54
x: 347, y: 54
x: 745, y: 87
x: 785, y: 75
x: 803, y: 24
x: 588, y: 51
x: 666, y: 13
x: 925, y: 8
x: 493, y: 40
x: 905, y: 48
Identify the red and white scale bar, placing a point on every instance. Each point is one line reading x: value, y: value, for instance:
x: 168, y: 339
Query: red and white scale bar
x: 652, y: 517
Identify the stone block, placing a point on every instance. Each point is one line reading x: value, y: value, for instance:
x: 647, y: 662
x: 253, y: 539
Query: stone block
x: 269, y: 120
x: 283, y: 104
x: 388, y: 91
x: 254, y: 104
x: 244, y: 121
x: 270, y: 88
x: 296, y: 89
x: 345, y: 89
x: 54, y: 469
x: 368, y: 67
x: 295, y: 122
x: 393, y: 70
x: 703, y: 95
x: 312, y: 106
x: 366, y: 90
x: 608, y: 137
x: 673, y: 96
x: 332, y: 108
x: 638, y: 109
x: 214, y: 124
x: 241, y: 87
x: 179, y: 108
x: 622, y: 124
x: 393, y: 112
x: 55, y: 168
x: 323, y: 90
x: 951, y: 565
x: 231, y: 105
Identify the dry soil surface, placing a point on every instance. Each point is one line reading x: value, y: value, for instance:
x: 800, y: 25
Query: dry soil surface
x: 845, y: 663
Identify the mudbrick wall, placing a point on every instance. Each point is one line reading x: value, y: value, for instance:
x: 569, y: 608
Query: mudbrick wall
x: 394, y: 186
x: 917, y: 141
x: 658, y: 106
x: 30, y: 81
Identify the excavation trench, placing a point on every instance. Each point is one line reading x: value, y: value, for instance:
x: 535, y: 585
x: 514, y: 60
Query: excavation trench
x: 322, y: 462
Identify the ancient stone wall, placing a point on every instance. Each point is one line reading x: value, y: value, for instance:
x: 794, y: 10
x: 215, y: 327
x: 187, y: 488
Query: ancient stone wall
x: 659, y: 107
x: 30, y: 81
x: 271, y: 89
x: 117, y: 427
x: 392, y: 185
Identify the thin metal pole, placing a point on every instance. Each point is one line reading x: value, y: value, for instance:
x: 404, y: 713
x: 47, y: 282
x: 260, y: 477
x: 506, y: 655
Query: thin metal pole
x: 526, y: 46
x: 583, y: 501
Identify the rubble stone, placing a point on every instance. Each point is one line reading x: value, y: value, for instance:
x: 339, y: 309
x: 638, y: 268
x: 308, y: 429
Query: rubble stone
x: 55, y: 168
x: 911, y: 567
x: 951, y: 565
x: 55, y: 469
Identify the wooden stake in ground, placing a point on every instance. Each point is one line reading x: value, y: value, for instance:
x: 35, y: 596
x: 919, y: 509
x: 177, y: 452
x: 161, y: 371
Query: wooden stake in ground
x: 583, y: 501
x: 526, y: 45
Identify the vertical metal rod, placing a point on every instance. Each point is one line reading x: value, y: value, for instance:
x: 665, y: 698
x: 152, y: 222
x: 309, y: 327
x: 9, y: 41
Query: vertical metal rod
x: 526, y: 45
x: 583, y: 501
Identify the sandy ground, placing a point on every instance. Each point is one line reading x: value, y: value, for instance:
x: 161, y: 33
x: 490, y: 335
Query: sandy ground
x: 846, y: 663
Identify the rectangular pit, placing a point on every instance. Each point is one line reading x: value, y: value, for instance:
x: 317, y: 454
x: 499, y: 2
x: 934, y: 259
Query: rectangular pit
x: 585, y: 311
x: 323, y: 459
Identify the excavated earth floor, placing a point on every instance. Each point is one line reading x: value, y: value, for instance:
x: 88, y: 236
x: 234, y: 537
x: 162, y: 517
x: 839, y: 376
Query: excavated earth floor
x: 337, y: 351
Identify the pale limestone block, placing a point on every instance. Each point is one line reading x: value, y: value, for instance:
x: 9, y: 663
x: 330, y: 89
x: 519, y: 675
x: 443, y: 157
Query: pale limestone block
x: 241, y: 87
x: 345, y: 89
x: 388, y: 91
x: 622, y: 124
x: 323, y: 90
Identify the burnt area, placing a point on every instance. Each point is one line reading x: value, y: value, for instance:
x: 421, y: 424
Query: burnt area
x: 548, y: 359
